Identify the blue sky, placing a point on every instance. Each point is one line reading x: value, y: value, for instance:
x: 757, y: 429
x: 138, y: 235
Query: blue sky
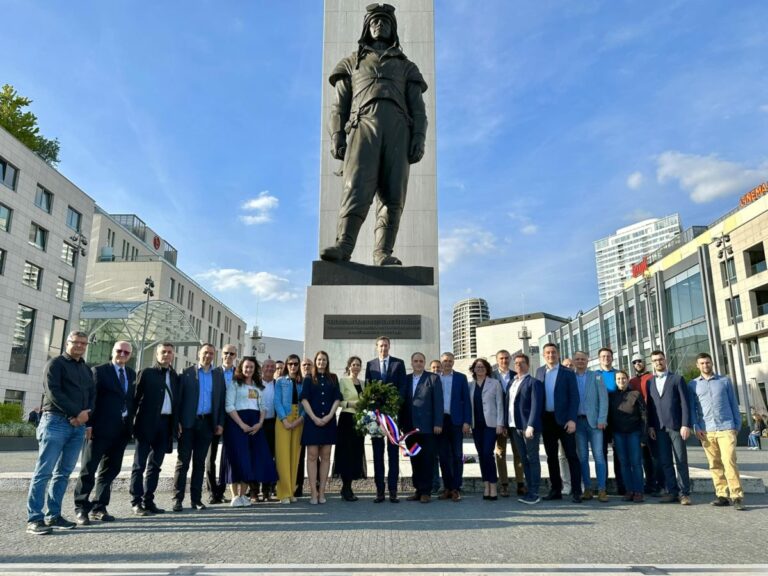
x: 557, y: 123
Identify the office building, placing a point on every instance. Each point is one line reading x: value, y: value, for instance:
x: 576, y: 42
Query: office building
x: 467, y: 314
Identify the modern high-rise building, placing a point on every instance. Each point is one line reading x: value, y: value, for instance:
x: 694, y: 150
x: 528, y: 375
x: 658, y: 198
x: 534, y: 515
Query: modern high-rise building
x: 467, y: 314
x: 615, y: 254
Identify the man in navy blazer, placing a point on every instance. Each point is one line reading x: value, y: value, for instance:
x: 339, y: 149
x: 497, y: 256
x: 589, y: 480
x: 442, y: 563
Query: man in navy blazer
x: 561, y: 406
x: 505, y: 375
x: 389, y: 370
x: 422, y: 409
x: 202, y: 392
x: 669, y: 423
x: 524, y: 404
x: 106, y: 436
x: 457, y: 420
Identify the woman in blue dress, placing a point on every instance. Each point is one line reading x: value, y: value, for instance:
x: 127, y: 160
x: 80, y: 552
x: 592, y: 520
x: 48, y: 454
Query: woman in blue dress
x: 320, y: 396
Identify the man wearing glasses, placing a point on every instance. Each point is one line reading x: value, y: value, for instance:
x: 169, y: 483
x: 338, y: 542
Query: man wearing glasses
x: 106, y: 435
x: 70, y: 396
x: 215, y: 483
x: 654, y: 478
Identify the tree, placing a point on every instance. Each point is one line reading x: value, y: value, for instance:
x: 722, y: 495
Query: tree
x: 23, y: 125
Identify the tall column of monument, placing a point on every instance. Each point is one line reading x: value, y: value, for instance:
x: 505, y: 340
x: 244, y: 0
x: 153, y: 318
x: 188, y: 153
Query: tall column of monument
x: 350, y: 303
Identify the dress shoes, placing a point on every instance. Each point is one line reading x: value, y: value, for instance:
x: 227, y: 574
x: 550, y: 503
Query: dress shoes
x: 425, y: 499
x: 199, y: 506
x: 553, y: 496
x: 215, y: 500
x: 152, y: 507
x: 82, y: 518
x: 445, y: 495
x: 504, y: 491
x: 521, y: 490
x: 102, y: 515
x: 721, y: 501
x: 379, y: 499
x: 140, y: 510
x: 394, y: 499
x: 414, y: 497
x: 576, y: 499
x: 177, y: 507
x: 455, y: 496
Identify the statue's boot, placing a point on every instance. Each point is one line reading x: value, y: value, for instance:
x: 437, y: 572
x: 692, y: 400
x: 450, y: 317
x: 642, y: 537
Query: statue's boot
x: 346, y: 237
x: 385, y: 234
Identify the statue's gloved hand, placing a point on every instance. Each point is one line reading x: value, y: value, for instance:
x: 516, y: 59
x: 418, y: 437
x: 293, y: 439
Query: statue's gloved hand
x: 338, y: 145
x: 416, y: 151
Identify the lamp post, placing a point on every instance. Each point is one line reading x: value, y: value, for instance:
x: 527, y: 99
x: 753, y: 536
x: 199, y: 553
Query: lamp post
x: 723, y: 243
x: 149, y: 284
x: 648, y: 291
x: 80, y: 242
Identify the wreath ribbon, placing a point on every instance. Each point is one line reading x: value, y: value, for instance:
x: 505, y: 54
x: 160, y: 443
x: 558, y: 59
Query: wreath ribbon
x: 395, y: 436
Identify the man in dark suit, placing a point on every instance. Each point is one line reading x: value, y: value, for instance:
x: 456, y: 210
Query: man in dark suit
x: 423, y: 409
x: 201, y: 416
x: 524, y: 404
x: 561, y: 406
x: 457, y: 420
x: 669, y: 424
x: 106, y: 436
x: 214, y: 481
x: 389, y: 370
x: 156, y: 389
x: 505, y: 375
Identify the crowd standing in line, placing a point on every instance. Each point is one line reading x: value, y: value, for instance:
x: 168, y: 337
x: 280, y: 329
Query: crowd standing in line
x: 266, y: 424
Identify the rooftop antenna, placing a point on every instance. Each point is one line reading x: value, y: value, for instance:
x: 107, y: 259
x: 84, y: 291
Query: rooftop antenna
x: 524, y: 335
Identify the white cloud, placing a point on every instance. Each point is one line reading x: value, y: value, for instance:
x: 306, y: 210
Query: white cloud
x: 634, y: 180
x: 464, y: 242
x: 263, y: 285
x: 262, y: 205
x: 523, y: 223
x: 637, y: 215
x: 707, y: 178
x: 529, y: 229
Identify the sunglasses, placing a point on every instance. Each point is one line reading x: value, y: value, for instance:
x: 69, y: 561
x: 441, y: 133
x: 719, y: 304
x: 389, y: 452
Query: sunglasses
x: 638, y: 361
x: 292, y: 364
x: 229, y: 353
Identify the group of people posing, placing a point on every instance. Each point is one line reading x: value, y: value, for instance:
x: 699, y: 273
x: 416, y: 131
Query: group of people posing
x: 271, y: 415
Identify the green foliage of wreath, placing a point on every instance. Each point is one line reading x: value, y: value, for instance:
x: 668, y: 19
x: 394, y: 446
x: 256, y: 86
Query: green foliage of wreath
x: 376, y: 396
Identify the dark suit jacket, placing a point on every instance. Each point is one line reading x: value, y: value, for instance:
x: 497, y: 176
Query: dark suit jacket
x: 496, y: 375
x: 424, y: 408
x: 107, y: 416
x: 566, y: 393
x: 189, y: 393
x: 395, y: 372
x: 529, y: 404
x: 461, y: 407
x: 150, y: 393
x: 670, y: 410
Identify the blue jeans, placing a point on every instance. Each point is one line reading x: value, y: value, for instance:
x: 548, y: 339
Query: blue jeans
x: 586, y: 436
x: 529, y: 454
x: 60, y: 444
x: 627, y: 444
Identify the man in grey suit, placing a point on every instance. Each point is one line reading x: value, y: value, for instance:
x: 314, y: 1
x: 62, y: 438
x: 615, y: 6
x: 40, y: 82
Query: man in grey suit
x: 590, y: 423
x: 201, y: 416
x: 422, y: 409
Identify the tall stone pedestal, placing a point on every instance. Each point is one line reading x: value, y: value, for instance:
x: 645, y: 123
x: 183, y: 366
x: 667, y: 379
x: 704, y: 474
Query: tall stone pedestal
x: 357, y: 292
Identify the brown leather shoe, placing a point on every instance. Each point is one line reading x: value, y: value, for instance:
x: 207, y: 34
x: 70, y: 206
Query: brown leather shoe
x: 588, y: 495
x: 602, y: 496
x: 445, y: 495
x: 504, y: 491
x: 455, y: 495
x: 413, y: 497
x: 425, y: 499
x: 521, y: 489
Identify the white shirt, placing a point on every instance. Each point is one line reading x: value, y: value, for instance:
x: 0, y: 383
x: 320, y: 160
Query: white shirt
x: 549, y: 384
x: 268, y: 399
x: 415, y: 383
x: 167, y: 405
x: 514, y: 388
x: 660, y: 380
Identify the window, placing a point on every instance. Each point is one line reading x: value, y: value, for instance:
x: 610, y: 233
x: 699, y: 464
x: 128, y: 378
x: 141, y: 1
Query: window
x: 735, y: 312
x: 684, y: 298
x: 172, y: 291
x: 38, y: 236
x: 33, y: 276
x: 14, y: 397
x: 728, y: 271
x: 74, y: 219
x: 63, y: 289
x: 5, y: 218
x: 21, y: 346
x: 8, y: 174
x: 2, y: 261
x: 755, y: 259
x: 210, y: 313
x: 218, y: 319
x: 191, y: 300
x: 69, y: 254
x: 58, y: 334
x: 238, y: 331
x: 761, y: 301
x: 202, y: 309
x: 180, y: 295
x: 110, y: 238
x: 753, y: 351
x: 43, y: 199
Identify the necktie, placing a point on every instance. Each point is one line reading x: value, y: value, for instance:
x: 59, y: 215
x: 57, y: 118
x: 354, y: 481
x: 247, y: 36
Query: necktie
x: 124, y: 385
x: 384, y: 368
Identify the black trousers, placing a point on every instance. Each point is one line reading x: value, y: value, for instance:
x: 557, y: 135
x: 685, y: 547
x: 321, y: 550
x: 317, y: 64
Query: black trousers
x: 194, y: 445
x: 147, y: 459
x: 101, y: 461
x: 423, y: 463
x: 393, y: 457
x: 553, y: 433
x: 214, y: 482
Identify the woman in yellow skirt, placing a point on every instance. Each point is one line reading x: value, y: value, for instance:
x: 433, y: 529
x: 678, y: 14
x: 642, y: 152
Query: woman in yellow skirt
x: 290, y: 415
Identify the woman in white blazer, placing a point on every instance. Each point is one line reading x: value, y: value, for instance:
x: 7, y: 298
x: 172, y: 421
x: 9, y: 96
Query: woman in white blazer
x: 487, y: 398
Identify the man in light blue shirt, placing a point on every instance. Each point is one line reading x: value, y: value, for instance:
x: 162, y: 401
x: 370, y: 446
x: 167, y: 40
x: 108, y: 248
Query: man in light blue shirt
x: 716, y: 421
x: 214, y: 479
x: 606, y: 375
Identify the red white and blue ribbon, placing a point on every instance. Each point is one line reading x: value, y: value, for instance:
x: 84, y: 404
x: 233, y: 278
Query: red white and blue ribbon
x: 397, y: 438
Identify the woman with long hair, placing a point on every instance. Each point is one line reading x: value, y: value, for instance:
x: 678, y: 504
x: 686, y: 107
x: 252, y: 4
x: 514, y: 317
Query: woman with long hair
x: 487, y: 399
x: 290, y: 416
x: 245, y: 445
x: 350, y: 447
x: 320, y: 396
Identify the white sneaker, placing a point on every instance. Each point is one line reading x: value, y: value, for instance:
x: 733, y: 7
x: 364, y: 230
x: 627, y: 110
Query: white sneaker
x: 244, y: 502
x: 235, y: 502
x: 285, y: 501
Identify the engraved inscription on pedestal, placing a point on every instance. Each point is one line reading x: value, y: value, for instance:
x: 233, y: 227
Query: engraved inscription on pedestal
x: 371, y: 326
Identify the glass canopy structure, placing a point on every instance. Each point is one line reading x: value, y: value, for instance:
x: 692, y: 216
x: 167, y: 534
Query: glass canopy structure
x: 143, y: 324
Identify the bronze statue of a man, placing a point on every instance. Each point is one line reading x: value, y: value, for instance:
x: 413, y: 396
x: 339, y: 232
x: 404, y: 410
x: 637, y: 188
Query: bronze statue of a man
x: 378, y: 128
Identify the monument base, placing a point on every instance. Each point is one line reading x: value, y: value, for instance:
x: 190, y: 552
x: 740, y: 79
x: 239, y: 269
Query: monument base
x: 354, y: 274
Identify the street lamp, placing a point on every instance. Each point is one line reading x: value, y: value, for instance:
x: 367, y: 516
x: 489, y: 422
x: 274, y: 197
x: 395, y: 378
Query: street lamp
x: 149, y: 284
x: 80, y: 242
x: 648, y: 291
x: 724, y: 252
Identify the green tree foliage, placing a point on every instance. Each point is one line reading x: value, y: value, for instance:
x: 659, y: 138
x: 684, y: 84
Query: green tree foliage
x: 23, y: 125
